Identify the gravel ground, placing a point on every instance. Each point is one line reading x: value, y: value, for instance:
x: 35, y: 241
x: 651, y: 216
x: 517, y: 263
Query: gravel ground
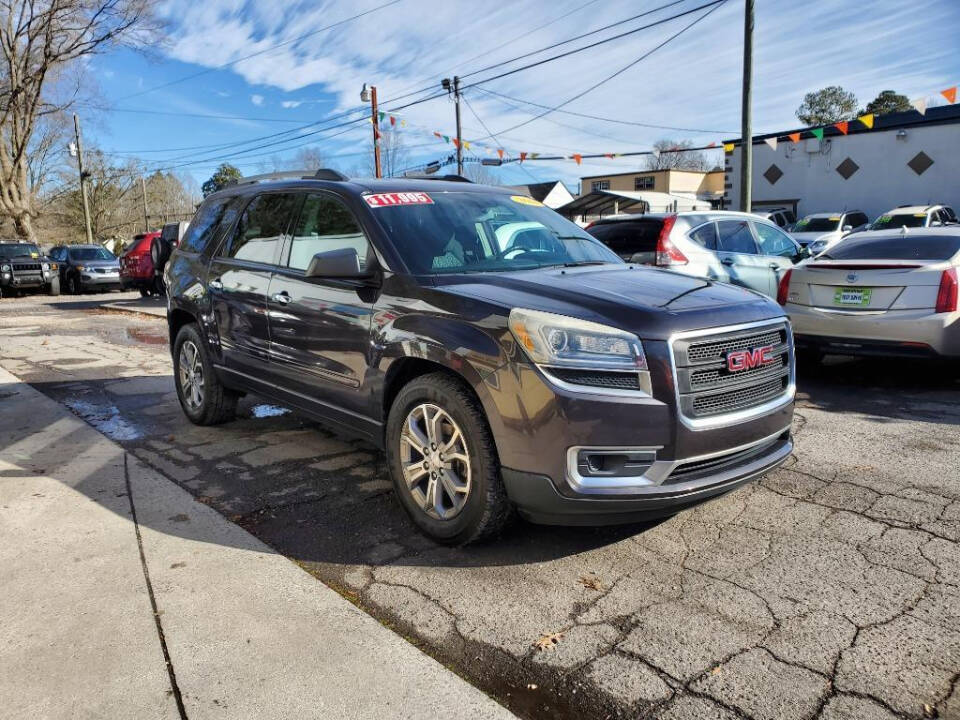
x: 829, y: 589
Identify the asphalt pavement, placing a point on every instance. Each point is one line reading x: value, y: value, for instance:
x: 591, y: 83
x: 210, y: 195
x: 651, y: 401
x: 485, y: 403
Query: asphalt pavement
x: 829, y: 589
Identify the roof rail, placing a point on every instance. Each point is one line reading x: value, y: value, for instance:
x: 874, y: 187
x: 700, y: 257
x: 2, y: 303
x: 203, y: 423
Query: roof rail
x: 321, y: 174
x: 329, y: 174
x: 448, y: 178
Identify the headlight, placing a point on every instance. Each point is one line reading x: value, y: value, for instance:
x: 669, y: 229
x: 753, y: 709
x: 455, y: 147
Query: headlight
x: 558, y: 341
x: 4, y: 268
x: 81, y: 267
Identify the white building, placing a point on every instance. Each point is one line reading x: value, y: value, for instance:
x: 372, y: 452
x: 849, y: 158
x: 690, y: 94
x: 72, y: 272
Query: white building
x: 906, y: 159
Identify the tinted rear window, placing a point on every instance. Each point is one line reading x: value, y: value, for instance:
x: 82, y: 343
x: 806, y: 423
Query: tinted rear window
x: 906, y: 247
x: 628, y: 237
x: 209, y: 218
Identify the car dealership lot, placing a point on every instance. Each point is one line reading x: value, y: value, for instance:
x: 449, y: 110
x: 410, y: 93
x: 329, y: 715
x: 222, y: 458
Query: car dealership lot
x: 831, y: 588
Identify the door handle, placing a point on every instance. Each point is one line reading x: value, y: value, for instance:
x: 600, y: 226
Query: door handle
x: 215, y: 285
x: 281, y: 297
x: 727, y: 261
x: 774, y: 266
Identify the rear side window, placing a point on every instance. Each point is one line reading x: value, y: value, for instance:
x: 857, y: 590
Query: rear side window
x: 907, y: 247
x: 325, y: 224
x: 735, y: 236
x: 204, y: 225
x: 705, y: 236
x: 628, y: 237
x: 261, y: 228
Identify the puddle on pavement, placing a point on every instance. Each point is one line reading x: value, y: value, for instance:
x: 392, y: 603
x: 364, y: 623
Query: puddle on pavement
x: 266, y: 411
x: 105, y: 418
x: 149, y: 336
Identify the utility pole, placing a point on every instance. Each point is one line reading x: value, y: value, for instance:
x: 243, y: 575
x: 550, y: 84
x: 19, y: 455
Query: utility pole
x: 370, y: 96
x: 83, y: 179
x: 746, y: 134
x: 455, y: 86
x: 143, y: 193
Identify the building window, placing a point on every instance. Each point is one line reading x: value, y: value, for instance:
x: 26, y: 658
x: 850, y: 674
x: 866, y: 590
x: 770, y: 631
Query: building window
x: 599, y: 185
x: 644, y: 182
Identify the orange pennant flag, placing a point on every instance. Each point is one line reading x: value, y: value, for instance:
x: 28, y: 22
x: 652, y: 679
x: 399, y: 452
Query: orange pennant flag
x: 950, y: 94
x: 455, y: 141
x: 523, y: 156
x: 439, y: 136
x: 842, y: 126
x: 500, y: 153
x: 795, y: 137
x: 712, y: 145
x: 578, y: 158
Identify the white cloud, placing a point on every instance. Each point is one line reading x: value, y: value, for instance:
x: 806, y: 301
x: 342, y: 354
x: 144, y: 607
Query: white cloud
x: 257, y: 100
x: 694, y: 82
x: 291, y: 103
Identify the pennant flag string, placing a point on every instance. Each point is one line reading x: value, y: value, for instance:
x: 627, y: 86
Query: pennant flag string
x: 950, y: 94
x: 842, y: 126
x: 867, y: 120
x: 772, y: 142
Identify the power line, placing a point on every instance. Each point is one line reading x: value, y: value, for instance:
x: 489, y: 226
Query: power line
x: 715, y: 5
x: 484, y: 126
x: 262, y: 52
x: 606, y: 119
x: 597, y: 44
x: 578, y: 37
x: 211, y: 116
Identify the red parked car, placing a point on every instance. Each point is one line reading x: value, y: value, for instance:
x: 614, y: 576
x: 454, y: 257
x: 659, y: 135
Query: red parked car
x: 136, y: 266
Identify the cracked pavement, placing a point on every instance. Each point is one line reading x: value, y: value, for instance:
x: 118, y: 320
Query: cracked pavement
x: 829, y: 589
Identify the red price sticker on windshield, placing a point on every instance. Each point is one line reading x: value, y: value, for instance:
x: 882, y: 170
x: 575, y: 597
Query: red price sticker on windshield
x: 399, y: 198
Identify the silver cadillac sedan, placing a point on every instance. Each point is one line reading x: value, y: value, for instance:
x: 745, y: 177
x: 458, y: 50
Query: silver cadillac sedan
x: 891, y: 292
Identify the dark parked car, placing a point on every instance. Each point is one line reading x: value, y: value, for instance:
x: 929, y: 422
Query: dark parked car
x: 502, y: 356
x: 24, y: 268
x: 86, y: 267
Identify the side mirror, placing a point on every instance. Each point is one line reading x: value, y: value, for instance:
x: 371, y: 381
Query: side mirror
x: 343, y: 263
x: 847, y: 228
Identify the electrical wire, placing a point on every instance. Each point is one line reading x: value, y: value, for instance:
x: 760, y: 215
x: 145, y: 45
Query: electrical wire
x: 486, y: 129
x: 715, y: 5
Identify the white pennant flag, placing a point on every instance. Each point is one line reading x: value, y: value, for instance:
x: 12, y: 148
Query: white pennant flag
x: 920, y: 105
x: 772, y: 142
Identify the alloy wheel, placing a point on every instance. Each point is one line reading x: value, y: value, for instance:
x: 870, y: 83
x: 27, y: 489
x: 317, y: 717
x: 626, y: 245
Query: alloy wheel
x: 435, y: 461
x: 191, y: 375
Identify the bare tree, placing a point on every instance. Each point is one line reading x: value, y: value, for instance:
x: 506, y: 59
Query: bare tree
x: 675, y: 155
x: 40, y: 40
x: 394, y: 157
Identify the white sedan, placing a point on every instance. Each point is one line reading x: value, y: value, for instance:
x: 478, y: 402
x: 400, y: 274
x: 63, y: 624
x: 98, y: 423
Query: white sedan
x: 890, y: 292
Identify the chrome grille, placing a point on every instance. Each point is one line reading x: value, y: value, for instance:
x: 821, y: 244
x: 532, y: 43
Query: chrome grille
x: 720, y: 463
x: 21, y: 267
x: 614, y: 380
x: 699, y: 352
x: 708, y: 389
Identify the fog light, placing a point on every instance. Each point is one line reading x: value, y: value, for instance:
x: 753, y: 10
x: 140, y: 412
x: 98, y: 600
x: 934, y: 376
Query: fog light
x: 614, y: 462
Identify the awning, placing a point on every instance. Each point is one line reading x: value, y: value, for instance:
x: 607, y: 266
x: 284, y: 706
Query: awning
x: 607, y: 202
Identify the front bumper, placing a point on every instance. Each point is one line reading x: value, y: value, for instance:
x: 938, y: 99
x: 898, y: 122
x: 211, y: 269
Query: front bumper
x: 891, y: 332
x: 100, y: 279
x: 18, y: 281
x: 538, y: 500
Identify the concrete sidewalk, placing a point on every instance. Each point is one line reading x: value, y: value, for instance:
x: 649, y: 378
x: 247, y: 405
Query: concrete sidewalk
x: 91, y: 541
x: 156, y: 306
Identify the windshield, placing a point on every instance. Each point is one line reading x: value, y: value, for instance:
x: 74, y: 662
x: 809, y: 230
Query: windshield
x: 456, y: 232
x: 818, y: 224
x: 886, y: 222
x: 12, y: 250
x: 906, y: 247
x: 90, y: 253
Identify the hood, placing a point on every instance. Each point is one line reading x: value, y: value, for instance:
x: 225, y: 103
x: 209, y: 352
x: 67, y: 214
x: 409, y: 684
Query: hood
x: 808, y: 237
x: 651, y: 302
x: 98, y: 263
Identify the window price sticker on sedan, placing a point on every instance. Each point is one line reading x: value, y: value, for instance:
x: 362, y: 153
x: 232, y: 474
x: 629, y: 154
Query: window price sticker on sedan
x: 852, y: 296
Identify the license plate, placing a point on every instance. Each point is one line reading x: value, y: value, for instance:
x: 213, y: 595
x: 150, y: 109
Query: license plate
x: 852, y: 296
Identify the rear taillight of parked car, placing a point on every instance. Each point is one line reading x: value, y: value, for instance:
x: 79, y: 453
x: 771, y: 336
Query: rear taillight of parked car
x: 783, y: 289
x: 947, y: 294
x: 668, y: 253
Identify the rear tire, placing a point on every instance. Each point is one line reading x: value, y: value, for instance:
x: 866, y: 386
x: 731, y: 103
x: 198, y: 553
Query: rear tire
x: 454, y: 517
x: 204, y: 399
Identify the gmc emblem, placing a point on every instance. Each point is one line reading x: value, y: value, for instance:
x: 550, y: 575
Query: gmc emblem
x: 738, y: 360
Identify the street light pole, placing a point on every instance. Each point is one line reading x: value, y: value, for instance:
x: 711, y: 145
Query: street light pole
x: 83, y: 180
x: 143, y: 192
x: 746, y: 134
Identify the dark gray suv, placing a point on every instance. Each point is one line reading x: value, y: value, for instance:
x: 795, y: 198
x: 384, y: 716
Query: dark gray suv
x: 503, y: 358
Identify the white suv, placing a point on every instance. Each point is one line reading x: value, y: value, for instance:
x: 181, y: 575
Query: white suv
x: 913, y: 216
x: 819, y: 231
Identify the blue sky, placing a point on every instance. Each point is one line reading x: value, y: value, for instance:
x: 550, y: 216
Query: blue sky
x: 692, y: 82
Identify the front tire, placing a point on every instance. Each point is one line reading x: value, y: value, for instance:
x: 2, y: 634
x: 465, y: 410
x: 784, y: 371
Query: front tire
x: 443, y: 462
x: 54, y: 287
x: 204, y: 399
x: 144, y: 292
